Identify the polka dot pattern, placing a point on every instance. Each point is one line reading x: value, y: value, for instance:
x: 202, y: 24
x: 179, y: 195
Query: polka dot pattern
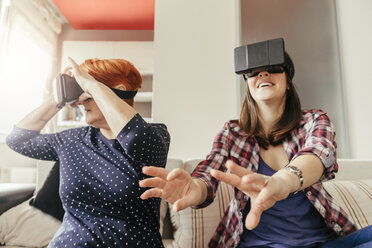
x: 99, y: 182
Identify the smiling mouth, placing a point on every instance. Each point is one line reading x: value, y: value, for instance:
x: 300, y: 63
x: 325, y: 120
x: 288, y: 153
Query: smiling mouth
x: 264, y: 84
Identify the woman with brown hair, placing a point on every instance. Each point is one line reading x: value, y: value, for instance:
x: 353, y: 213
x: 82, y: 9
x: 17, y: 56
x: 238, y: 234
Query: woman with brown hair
x: 101, y: 164
x: 277, y: 155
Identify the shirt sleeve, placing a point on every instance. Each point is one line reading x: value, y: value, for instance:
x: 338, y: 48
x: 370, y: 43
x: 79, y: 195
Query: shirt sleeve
x: 32, y: 144
x: 144, y: 142
x: 215, y: 160
x: 320, y: 141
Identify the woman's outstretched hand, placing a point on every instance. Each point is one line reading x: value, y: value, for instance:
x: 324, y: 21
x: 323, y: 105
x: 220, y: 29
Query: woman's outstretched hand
x: 176, y: 187
x: 263, y: 191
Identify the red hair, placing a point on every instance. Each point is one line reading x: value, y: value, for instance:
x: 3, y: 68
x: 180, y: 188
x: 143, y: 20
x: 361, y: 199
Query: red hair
x: 114, y: 72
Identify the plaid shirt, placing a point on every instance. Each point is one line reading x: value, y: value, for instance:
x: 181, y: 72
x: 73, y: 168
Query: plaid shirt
x: 315, y: 135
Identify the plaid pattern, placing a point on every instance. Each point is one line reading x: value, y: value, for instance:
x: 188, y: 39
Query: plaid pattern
x: 315, y: 135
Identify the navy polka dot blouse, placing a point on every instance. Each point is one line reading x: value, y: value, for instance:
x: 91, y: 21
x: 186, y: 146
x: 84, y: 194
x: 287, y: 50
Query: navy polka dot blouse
x: 99, y: 182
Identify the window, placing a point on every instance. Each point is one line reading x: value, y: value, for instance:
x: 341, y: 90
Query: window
x: 26, y: 60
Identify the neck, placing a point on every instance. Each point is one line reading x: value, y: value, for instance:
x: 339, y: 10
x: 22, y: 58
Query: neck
x: 107, y: 133
x: 269, y: 114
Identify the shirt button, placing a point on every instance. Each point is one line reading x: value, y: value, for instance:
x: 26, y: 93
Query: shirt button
x: 308, y: 193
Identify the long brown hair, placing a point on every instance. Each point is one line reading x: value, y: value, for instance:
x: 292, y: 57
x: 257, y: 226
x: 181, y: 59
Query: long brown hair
x: 114, y: 72
x: 291, y: 117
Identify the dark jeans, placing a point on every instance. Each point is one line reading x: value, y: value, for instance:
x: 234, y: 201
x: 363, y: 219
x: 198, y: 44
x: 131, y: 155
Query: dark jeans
x: 360, y: 239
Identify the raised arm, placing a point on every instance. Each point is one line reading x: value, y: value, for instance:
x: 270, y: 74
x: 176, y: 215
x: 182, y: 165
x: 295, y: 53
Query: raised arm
x: 116, y: 111
x: 26, y: 138
x: 38, y: 118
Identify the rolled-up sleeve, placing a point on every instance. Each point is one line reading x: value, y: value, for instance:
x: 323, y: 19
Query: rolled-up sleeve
x: 320, y: 141
x: 215, y: 160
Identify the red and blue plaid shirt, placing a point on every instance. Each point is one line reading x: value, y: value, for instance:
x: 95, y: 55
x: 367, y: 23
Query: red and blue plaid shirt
x: 315, y: 135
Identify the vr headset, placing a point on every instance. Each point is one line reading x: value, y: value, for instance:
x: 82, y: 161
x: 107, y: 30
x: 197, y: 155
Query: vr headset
x: 67, y: 90
x: 265, y: 54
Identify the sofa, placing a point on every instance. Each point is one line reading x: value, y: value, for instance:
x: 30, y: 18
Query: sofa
x: 22, y: 225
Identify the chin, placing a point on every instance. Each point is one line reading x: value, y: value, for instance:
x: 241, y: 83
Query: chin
x: 89, y: 118
x: 265, y: 98
x: 89, y: 121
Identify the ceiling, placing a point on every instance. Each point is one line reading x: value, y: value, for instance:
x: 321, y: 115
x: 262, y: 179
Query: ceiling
x: 108, y: 14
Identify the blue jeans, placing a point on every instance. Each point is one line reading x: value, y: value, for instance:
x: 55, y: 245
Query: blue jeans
x: 361, y: 239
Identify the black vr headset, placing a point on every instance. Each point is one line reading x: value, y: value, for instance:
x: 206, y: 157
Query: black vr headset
x: 269, y: 55
x: 67, y: 90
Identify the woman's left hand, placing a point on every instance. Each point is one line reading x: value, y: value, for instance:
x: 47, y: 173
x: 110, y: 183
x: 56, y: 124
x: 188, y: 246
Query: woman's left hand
x: 83, y: 78
x: 263, y: 191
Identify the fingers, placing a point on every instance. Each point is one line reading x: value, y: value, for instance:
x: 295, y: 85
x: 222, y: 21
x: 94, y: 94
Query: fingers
x: 231, y: 179
x: 264, y: 200
x: 266, y: 195
x: 67, y: 70
x: 254, y: 181
x: 75, y: 104
x: 154, y: 192
x: 178, y: 173
x: 237, y: 169
x: 155, y: 172
x: 74, y: 65
x: 254, y: 216
x: 183, y: 203
x: 245, y: 180
x: 155, y: 182
x: 84, y: 96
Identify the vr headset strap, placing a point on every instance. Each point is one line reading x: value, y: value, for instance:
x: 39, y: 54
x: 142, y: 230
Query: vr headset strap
x: 124, y: 94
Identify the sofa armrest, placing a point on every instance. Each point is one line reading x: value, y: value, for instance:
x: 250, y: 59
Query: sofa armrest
x: 12, y: 194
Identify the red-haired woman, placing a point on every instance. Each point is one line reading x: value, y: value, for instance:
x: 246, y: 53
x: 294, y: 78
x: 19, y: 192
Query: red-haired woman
x: 278, y: 155
x: 100, y: 164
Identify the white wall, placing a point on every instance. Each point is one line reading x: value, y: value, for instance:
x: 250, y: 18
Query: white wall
x: 355, y: 33
x: 195, y: 88
x: 14, y: 167
x: 140, y: 53
x: 70, y: 34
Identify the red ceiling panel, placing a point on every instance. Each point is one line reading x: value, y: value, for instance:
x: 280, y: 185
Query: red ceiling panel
x: 108, y: 14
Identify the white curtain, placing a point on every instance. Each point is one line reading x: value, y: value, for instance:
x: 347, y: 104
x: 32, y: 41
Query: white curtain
x: 28, y: 48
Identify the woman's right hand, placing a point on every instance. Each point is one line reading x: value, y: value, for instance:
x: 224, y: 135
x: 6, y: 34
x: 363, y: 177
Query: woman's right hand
x: 68, y: 71
x: 176, y: 187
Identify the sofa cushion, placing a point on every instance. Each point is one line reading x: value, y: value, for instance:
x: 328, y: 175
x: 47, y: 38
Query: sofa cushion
x: 355, y: 197
x: 47, y: 198
x: 354, y: 169
x: 195, y: 227
x: 12, y: 194
x: 25, y: 225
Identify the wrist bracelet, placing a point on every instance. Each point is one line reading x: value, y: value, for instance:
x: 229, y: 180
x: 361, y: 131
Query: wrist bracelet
x: 295, y: 170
